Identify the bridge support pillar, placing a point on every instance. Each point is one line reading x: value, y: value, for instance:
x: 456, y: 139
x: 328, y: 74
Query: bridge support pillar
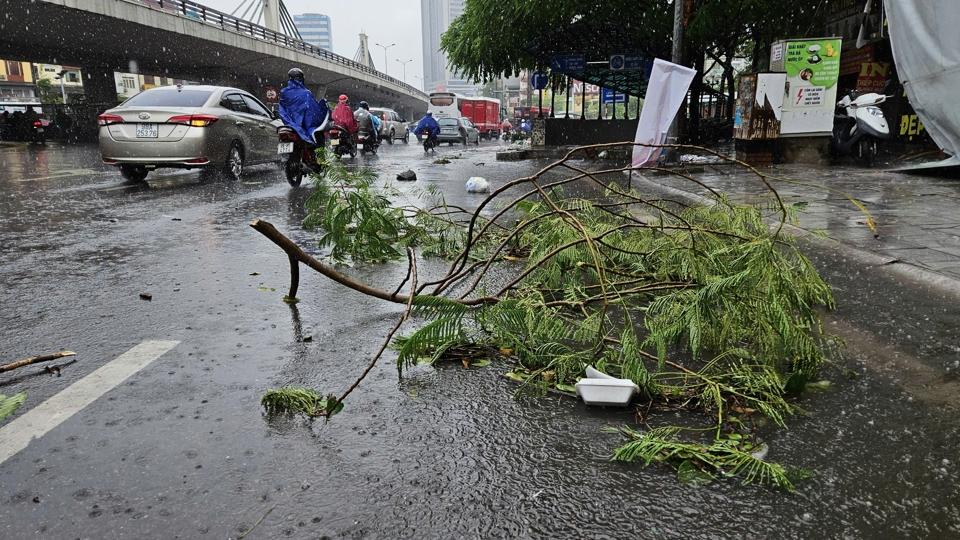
x: 99, y: 85
x: 271, y: 15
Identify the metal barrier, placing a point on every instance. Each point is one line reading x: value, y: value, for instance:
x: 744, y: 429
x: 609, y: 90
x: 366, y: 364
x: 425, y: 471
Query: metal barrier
x: 201, y: 13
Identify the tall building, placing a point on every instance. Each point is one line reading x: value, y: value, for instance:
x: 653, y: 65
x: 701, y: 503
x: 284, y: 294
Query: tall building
x: 315, y: 29
x: 436, y: 16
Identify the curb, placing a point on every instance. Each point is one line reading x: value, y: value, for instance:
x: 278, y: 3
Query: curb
x: 899, y: 269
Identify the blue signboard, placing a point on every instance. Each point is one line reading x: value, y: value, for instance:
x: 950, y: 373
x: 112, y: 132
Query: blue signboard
x: 610, y: 96
x: 624, y: 62
x: 539, y: 80
x: 568, y: 63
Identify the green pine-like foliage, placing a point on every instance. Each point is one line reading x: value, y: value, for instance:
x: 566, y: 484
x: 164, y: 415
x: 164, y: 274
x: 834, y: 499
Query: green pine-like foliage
x: 704, y: 307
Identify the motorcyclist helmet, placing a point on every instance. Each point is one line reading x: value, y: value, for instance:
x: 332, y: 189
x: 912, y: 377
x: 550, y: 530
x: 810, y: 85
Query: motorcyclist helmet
x: 343, y: 98
x: 295, y: 74
x: 364, y: 105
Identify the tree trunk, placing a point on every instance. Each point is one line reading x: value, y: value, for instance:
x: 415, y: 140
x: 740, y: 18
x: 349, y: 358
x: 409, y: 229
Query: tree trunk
x: 696, y: 90
x: 731, y: 90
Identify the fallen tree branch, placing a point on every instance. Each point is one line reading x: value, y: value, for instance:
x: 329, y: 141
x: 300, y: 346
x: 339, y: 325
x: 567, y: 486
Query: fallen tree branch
x: 412, y: 274
x: 296, y: 253
x: 35, y: 359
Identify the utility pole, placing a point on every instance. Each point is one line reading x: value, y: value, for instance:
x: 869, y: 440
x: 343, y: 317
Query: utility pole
x: 404, y: 64
x: 385, y: 47
x: 676, y: 56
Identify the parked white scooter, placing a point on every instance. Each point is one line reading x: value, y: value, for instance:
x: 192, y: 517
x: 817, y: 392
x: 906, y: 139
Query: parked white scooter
x: 860, y: 127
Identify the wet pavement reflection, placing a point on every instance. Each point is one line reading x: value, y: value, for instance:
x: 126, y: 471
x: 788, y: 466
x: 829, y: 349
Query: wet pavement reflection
x: 182, y: 450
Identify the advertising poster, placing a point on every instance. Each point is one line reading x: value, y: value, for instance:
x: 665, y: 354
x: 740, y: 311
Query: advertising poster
x: 810, y: 96
x: 759, y: 109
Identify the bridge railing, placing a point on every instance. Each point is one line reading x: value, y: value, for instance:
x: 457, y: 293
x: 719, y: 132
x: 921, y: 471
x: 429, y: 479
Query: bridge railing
x: 199, y: 12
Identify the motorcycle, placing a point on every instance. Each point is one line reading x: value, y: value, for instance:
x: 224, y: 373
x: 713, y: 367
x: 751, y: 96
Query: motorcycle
x: 301, y: 156
x: 37, y: 133
x: 366, y: 142
x: 860, y: 127
x: 430, y: 140
x: 341, y: 142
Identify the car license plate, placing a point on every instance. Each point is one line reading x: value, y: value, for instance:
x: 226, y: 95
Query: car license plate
x: 334, y: 142
x: 285, y: 148
x: 147, y: 131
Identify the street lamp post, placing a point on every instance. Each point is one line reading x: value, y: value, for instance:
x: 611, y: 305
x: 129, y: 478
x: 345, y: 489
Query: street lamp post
x: 404, y: 64
x: 63, y: 90
x: 385, y: 47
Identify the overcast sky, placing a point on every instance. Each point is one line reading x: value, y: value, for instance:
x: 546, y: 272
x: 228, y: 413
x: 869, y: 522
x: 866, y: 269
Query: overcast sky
x: 384, y: 21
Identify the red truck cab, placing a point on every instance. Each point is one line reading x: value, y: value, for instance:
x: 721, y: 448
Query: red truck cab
x: 484, y: 112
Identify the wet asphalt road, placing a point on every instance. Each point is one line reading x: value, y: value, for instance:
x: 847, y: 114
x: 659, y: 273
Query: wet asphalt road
x: 181, y: 449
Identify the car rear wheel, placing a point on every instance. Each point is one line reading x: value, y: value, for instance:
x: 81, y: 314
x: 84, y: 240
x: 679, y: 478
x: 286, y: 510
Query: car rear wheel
x: 133, y: 173
x: 392, y: 136
x: 406, y: 136
x: 233, y: 168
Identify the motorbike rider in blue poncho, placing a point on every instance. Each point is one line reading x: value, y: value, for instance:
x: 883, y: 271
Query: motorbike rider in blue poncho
x: 427, y: 122
x: 301, y: 111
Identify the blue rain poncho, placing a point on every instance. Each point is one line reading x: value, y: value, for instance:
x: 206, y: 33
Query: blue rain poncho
x: 300, y: 111
x: 427, y: 122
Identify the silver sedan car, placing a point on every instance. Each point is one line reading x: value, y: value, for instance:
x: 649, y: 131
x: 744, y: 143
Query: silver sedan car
x: 458, y: 130
x: 186, y: 127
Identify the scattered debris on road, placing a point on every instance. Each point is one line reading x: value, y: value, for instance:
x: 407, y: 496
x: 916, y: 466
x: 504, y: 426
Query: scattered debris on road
x: 478, y: 184
x: 36, y: 359
x: 10, y: 404
x: 146, y: 296
x: 407, y: 176
x: 441, y: 161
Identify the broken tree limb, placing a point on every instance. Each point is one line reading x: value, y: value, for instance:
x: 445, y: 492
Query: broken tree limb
x: 35, y: 359
x: 412, y: 275
x: 294, y: 277
x: 296, y: 253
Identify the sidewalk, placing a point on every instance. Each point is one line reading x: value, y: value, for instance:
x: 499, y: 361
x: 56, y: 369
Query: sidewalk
x: 917, y: 217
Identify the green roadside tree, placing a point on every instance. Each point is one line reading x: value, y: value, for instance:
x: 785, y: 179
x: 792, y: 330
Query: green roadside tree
x: 47, y: 93
x: 495, y: 38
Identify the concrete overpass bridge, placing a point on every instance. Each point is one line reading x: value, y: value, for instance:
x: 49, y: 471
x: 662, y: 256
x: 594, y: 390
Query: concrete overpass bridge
x: 183, y: 39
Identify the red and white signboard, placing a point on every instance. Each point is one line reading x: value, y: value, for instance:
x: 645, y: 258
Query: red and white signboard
x: 270, y: 94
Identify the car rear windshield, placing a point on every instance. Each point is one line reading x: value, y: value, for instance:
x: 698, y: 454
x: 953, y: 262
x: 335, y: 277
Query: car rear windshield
x: 448, y: 122
x: 169, y: 98
x: 441, y: 101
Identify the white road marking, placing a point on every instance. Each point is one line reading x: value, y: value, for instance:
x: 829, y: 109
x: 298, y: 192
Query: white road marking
x: 36, y: 422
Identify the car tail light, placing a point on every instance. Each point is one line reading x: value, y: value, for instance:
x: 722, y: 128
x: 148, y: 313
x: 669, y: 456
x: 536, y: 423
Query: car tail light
x: 107, y: 119
x: 193, y: 120
x: 287, y: 135
x: 37, y: 123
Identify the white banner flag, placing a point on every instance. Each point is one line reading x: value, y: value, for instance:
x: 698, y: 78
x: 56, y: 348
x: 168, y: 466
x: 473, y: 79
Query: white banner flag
x: 665, y: 92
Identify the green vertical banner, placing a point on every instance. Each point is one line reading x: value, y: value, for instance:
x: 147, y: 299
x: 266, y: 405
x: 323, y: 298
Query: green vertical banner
x: 810, y: 94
